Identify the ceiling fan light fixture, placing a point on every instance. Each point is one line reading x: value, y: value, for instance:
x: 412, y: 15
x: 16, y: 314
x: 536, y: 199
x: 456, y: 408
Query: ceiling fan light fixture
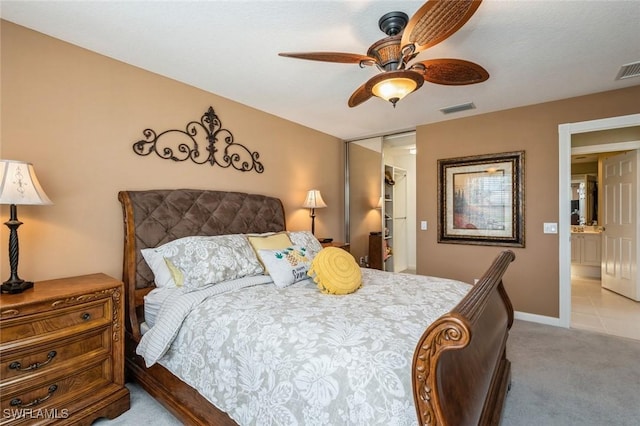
x: 394, y: 86
x: 434, y: 22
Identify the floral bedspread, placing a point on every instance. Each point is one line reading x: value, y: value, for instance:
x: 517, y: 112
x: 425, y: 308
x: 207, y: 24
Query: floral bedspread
x: 294, y: 356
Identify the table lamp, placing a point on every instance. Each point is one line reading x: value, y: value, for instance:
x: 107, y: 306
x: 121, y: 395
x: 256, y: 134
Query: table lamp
x: 18, y: 186
x: 313, y: 201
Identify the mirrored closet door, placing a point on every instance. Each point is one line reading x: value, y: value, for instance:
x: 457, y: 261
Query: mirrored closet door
x: 364, y: 192
x: 380, y: 188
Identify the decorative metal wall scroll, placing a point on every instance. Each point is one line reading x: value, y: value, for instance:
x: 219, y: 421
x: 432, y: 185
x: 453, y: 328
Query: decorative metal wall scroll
x: 198, y: 144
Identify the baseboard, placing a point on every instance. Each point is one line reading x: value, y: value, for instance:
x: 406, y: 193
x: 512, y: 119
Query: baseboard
x: 541, y: 319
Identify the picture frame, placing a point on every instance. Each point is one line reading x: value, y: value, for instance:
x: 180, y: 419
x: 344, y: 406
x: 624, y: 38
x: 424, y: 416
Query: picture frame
x: 481, y: 200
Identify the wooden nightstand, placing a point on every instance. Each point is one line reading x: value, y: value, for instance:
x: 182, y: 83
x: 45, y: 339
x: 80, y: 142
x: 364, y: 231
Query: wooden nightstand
x: 343, y: 246
x: 62, y: 352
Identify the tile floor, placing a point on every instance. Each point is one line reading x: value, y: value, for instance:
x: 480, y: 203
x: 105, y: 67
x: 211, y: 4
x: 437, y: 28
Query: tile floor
x: 596, y: 309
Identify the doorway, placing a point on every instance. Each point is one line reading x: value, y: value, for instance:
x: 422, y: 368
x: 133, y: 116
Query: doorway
x: 565, y: 134
x: 595, y: 304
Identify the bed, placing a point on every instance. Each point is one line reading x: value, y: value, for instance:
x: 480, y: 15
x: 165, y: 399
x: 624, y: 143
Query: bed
x: 459, y: 373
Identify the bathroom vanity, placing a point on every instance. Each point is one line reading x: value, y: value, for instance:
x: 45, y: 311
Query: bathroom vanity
x: 586, y: 251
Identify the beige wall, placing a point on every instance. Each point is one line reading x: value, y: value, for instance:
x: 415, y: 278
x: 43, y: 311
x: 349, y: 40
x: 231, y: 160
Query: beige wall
x: 584, y: 168
x: 532, y: 281
x: 625, y: 134
x: 75, y: 115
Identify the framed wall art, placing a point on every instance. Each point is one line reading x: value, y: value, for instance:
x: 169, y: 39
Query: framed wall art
x: 481, y: 200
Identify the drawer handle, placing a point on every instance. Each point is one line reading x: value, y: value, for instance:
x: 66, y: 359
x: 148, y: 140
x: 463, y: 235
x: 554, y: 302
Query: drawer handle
x: 17, y: 402
x: 15, y: 365
x: 86, y: 316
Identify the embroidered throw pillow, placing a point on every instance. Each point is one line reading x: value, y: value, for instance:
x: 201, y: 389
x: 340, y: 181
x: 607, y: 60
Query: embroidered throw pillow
x: 286, y: 266
x: 269, y: 242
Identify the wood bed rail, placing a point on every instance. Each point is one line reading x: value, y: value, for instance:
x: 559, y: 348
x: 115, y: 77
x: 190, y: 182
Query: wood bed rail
x: 458, y: 380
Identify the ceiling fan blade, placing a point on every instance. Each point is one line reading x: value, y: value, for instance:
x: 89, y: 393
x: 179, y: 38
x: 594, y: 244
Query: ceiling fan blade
x: 343, y: 58
x: 362, y: 94
x: 452, y: 72
x: 435, y: 21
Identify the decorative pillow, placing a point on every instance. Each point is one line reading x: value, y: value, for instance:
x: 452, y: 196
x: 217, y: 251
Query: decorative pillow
x: 286, y: 266
x: 202, y: 261
x: 335, y: 271
x: 176, y: 274
x: 161, y: 272
x: 277, y: 241
x: 308, y: 240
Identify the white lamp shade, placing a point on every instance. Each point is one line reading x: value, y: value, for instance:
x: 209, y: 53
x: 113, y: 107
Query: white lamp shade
x: 314, y: 200
x: 19, y: 184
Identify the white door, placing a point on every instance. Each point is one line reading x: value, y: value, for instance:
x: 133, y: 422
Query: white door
x: 619, y: 239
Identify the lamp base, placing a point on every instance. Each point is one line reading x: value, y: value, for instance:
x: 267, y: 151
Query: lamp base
x: 16, y: 286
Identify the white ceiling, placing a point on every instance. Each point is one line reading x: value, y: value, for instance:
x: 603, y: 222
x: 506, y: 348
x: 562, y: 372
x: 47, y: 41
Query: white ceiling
x: 535, y: 51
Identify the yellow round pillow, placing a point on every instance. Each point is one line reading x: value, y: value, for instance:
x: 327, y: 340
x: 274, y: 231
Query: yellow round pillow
x: 335, y: 271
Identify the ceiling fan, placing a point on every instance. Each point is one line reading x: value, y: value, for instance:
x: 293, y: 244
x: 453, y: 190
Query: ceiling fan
x: 434, y: 22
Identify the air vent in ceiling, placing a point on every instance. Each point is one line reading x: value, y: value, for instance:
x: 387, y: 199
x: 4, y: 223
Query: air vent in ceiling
x: 457, y: 108
x: 628, y: 71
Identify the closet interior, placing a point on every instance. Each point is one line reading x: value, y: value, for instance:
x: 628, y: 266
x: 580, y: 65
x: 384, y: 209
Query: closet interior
x: 380, y: 188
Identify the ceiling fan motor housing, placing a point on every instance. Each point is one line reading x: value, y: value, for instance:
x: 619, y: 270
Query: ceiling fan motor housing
x: 386, y: 52
x: 393, y: 23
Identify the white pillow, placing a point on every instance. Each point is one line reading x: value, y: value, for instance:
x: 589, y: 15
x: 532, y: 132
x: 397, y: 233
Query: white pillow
x: 161, y: 273
x: 203, y: 260
x: 308, y: 240
x: 286, y: 266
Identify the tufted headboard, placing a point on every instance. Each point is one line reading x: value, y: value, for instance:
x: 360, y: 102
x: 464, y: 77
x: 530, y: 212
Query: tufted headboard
x: 155, y: 217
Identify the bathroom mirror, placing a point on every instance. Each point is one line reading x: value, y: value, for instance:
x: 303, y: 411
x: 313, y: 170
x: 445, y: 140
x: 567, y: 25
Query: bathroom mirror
x: 584, y: 199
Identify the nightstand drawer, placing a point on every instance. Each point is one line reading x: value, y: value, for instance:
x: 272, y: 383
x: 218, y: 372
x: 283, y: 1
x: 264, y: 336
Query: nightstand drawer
x: 31, y: 363
x: 88, y: 314
x: 60, y: 394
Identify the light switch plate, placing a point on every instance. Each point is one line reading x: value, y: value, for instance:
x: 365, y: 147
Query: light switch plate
x: 423, y: 225
x: 550, y: 228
